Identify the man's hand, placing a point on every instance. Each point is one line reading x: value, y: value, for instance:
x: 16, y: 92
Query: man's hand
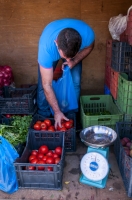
x: 58, y: 117
x: 69, y: 62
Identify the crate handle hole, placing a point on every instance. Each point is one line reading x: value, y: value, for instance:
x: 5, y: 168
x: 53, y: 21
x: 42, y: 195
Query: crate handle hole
x: 95, y: 98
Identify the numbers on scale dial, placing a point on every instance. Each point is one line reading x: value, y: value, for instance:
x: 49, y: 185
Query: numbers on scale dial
x: 94, y: 166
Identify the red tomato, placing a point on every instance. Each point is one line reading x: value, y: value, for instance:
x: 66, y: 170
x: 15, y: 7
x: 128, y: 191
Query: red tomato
x: 55, y: 155
x: 31, y: 157
x: 57, y: 160
x: 68, y: 125
x: 43, y: 126
x: 62, y: 126
x: 31, y: 167
x: 51, y: 128
x: 44, y: 158
x: 38, y: 122
x: 71, y: 121
x: 37, y: 127
x: 63, y: 121
x: 50, y: 160
x: 48, y: 122
x: 50, y: 153
x: 43, y: 129
x: 40, y: 156
x: 34, y: 152
x: 40, y: 167
x: 43, y: 149
x: 50, y: 168
x: 8, y: 116
x: 34, y: 161
x: 58, y: 150
x: 63, y: 129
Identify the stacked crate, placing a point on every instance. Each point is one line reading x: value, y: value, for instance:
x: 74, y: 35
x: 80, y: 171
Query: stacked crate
x: 124, y: 129
x: 108, y: 66
x: 19, y: 100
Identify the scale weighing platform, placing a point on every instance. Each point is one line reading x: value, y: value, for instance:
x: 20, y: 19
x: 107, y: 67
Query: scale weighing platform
x: 94, y: 164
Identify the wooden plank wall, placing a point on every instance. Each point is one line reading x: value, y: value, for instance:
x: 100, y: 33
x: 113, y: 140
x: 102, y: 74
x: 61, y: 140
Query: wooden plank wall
x: 21, y: 24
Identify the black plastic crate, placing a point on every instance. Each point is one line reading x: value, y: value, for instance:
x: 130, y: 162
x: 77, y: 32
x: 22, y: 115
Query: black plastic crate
x: 124, y: 129
x: 44, y: 179
x: 121, y: 54
x: 130, y: 69
x: 19, y: 100
x: 70, y: 135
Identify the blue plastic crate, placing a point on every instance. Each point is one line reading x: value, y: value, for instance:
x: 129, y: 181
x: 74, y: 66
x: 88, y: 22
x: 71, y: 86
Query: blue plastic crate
x: 106, y: 90
x: 124, y: 129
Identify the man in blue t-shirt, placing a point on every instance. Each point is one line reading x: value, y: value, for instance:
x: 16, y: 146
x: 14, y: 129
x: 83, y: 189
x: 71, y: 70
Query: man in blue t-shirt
x: 70, y: 40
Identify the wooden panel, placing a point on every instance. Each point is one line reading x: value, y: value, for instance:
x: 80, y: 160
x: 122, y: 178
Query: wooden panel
x: 99, y: 10
x: 21, y: 24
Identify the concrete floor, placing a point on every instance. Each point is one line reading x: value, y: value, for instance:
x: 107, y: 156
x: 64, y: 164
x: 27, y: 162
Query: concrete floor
x: 72, y: 189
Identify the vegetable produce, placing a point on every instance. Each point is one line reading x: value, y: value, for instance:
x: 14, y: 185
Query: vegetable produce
x: 43, y: 126
x: 44, y: 156
x: 51, y: 128
x: 48, y: 122
x: 47, y: 125
x: 6, y: 76
x: 98, y: 113
x: 68, y: 125
x: 58, y: 150
x: 31, y: 157
x: 16, y: 132
x: 127, y: 145
x: 37, y: 127
x: 57, y: 160
x: 43, y: 149
x: 34, y: 152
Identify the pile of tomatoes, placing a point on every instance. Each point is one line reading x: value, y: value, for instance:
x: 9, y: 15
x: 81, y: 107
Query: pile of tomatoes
x: 46, y: 125
x: 45, y: 156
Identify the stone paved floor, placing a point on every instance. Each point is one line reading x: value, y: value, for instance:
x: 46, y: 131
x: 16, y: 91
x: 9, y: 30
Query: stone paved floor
x: 72, y: 189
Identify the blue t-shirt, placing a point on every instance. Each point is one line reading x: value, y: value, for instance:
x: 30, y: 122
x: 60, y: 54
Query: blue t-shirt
x: 48, y: 52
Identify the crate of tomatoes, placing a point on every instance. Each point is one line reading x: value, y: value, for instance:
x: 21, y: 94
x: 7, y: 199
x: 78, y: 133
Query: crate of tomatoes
x: 42, y: 124
x: 42, y: 162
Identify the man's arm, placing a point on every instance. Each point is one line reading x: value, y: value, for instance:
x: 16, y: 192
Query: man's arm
x: 79, y: 56
x: 47, y: 77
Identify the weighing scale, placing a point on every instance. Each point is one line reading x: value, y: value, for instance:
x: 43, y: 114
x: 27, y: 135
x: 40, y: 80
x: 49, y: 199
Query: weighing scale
x: 94, y: 164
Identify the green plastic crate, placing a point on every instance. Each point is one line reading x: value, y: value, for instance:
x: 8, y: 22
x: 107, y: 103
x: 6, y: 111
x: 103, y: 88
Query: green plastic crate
x: 124, y: 96
x: 98, y: 105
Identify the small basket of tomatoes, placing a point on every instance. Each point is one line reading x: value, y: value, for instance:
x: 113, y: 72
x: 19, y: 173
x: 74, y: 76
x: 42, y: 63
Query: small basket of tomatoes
x: 42, y: 162
x: 42, y: 124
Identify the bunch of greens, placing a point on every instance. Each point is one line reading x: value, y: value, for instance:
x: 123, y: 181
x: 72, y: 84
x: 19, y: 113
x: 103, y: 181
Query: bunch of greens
x: 16, y: 132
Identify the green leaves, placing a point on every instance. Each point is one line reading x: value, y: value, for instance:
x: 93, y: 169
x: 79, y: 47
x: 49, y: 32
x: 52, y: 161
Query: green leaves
x: 17, y: 132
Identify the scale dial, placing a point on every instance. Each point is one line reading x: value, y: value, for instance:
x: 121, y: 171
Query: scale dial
x: 94, y: 166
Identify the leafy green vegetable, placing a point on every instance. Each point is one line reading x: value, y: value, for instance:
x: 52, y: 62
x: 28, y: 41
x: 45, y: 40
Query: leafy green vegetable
x: 16, y: 132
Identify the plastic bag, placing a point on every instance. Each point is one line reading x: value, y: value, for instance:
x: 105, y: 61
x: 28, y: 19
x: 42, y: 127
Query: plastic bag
x: 65, y: 92
x: 8, y: 180
x: 118, y: 24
